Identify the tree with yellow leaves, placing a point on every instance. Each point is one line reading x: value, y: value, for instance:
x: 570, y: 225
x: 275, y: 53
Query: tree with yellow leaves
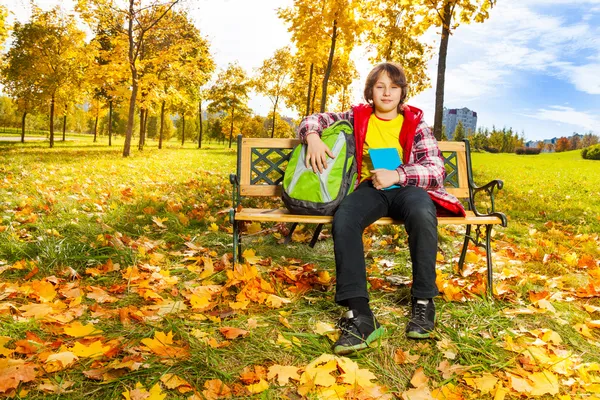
x: 140, y: 18
x: 230, y: 95
x: 393, y: 30
x: 449, y: 14
x: 319, y: 29
x: 47, y: 57
x: 272, y: 78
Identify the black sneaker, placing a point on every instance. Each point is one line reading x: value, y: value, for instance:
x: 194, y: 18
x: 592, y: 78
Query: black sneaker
x: 358, y: 332
x: 422, y: 319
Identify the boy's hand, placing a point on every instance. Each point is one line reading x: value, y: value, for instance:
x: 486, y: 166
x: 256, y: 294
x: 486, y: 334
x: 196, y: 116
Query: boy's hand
x: 383, y: 178
x: 316, y: 154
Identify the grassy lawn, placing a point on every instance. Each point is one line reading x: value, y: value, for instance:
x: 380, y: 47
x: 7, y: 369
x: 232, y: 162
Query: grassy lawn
x: 116, y: 282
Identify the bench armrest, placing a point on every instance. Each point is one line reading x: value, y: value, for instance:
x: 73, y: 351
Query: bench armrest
x: 235, y: 190
x: 488, y: 189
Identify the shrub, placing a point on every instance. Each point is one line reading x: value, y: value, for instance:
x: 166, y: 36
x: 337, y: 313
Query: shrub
x: 491, y: 149
x: 591, y: 153
x: 527, y: 150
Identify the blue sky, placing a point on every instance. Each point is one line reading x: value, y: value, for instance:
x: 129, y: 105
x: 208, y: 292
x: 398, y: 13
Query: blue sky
x: 533, y: 65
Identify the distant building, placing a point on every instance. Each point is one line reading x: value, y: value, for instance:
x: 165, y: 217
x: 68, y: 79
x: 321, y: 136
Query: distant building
x: 453, y: 115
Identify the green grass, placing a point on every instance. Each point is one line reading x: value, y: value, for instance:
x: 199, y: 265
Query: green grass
x: 81, y: 204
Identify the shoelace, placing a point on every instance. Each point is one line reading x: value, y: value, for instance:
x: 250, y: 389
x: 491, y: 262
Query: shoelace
x: 345, y: 324
x: 420, y: 311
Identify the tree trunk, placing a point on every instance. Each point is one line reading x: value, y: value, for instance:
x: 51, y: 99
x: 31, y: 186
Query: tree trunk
x: 134, y: 81
x: 274, y: 111
x: 329, y: 65
x: 314, y: 97
x: 110, y: 106
x: 145, y: 126
x: 200, y: 128
x: 441, y: 74
x: 231, y: 131
x: 162, y: 124
x: 64, y: 123
x: 23, y: 127
x: 182, y: 130
x: 52, y: 121
x: 141, y: 141
x: 96, y: 128
x: 310, y: 78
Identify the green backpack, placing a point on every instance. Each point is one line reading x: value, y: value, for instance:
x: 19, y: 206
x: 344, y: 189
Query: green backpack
x: 309, y: 193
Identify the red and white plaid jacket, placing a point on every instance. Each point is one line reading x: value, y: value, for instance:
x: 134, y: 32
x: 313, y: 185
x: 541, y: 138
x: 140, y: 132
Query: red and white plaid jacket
x: 422, y: 164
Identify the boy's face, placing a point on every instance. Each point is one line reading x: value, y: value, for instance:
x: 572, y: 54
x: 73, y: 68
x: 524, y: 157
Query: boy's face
x: 386, y: 97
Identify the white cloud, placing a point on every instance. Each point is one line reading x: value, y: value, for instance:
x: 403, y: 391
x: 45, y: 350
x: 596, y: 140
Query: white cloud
x: 568, y: 115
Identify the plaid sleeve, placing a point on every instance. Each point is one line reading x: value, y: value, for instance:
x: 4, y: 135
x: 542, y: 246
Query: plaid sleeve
x: 318, y: 122
x: 425, y: 168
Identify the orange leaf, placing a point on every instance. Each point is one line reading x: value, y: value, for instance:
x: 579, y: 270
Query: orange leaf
x: 232, y: 333
x: 419, y: 378
x: 14, y: 372
x: 215, y: 389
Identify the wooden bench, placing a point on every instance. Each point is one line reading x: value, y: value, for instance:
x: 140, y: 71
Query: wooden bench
x: 261, y: 164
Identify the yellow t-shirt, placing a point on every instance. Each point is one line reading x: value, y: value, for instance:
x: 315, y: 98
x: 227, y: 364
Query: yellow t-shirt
x: 381, y: 133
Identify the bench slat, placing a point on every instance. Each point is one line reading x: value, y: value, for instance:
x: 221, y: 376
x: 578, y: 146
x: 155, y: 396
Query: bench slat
x: 283, y: 215
x: 275, y: 191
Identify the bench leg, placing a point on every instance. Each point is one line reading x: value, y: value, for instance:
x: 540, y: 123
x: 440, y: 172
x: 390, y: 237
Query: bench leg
x: 463, y: 253
x: 237, y: 243
x: 315, y: 237
x: 288, y: 238
x: 488, y: 256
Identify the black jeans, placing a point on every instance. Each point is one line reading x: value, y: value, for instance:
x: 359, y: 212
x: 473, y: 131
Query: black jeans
x: 363, y: 207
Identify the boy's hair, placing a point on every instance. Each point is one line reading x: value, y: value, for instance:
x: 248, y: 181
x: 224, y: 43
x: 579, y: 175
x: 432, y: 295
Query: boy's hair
x: 396, y: 74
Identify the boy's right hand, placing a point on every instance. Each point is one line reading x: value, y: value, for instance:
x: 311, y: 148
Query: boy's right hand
x: 316, y: 153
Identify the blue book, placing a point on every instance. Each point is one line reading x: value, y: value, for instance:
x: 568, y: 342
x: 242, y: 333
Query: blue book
x: 385, y: 158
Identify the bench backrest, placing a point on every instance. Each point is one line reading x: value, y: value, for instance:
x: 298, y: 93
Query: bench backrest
x: 262, y: 162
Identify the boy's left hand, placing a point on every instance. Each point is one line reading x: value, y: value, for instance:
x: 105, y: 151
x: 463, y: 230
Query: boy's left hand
x: 383, y: 178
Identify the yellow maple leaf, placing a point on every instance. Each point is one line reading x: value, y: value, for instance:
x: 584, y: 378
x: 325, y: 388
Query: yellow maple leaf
x: 250, y: 256
x: 571, y: 259
x: 77, y: 329
x: 94, y: 349
x: 209, y: 268
x: 159, y: 222
x: 172, y: 381
x: 44, y: 291
x: 283, y: 373
x: 353, y: 375
x: 583, y: 330
x: 200, y: 301
x: 484, y: 383
x: 59, y: 361
x: 274, y: 301
x: 213, y: 227
x: 253, y: 227
x: 543, y: 382
x: 319, y: 371
x: 185, y: 221
x: 100, y: 295
x: 36, y: 311
x: 162, y: 345
x: 259, y: 387
x: 3, y: 350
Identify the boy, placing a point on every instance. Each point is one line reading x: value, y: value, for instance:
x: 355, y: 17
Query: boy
x: 382, y: 123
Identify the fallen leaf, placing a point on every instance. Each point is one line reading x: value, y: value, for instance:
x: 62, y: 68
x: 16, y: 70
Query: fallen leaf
x: 419, y: 378
x: 259, y: 387
x: 13, y: 373
x: 215, y: 389
x: 232, y: 333
x: 283, y: 373
x: 94, y: 349
x: 77, y: 329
